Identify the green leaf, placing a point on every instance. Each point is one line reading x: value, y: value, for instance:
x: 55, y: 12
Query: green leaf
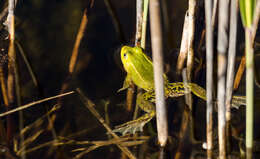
x: 247, y: 8
x: 242, y: 11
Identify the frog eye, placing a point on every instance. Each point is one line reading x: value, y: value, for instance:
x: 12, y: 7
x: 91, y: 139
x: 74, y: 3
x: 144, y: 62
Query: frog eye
x: 125, y: 55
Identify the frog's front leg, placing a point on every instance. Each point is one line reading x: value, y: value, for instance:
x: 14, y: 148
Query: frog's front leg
x: 137, y: 125
x: 126, y: 84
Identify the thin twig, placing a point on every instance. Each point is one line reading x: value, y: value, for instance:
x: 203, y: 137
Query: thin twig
x: 11, y: 55
x: 139, y: 19
x: 66, y: 141
x: 222, y: 48
x: 75, y: 51
x: 5, y: 100
x: 73, y: 60
x: 215, y: 7
x: 209, y: 83
x: 188, y: 98
x: 27, y: 142
x: 130, y: 94
x: 157, y: 49
x: 240, y: 72
x: 19, y: 103
x: 190, y: 57
x: 111, y: 141
x: 190, y: 54
x: 3, y: 86
x: 11, y: 51
x: 27, y: 63
x: 145, y: 15
x: 74, y: 55
x: 97, y: 144
x: 34, y: 103
x: 185, y: 121
x: 184, y: 45
x: 50, y: 143
x: 188, y: 101
x: 231, y: 65
x: 39, y: 120
x: 33, y: 137
x: 90, y: 105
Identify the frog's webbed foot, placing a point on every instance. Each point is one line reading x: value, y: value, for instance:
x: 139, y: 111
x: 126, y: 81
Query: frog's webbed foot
x: 237, y: 101
x: 134, y: 126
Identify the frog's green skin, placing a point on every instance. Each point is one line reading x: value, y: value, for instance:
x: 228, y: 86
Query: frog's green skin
x: 139, y: 68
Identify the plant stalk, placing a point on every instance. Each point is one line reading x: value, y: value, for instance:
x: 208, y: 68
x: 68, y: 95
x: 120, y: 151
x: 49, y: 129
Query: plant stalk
x: 157, y: 49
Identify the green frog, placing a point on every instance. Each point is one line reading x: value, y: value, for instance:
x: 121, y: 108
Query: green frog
x: 139, y: 68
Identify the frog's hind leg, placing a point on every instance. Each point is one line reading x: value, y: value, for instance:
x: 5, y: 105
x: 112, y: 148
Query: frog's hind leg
x: 198, y: 91
x: 138, y: 124
x: 176, y: 89
x: 238, y: 101
x: 135, y: 125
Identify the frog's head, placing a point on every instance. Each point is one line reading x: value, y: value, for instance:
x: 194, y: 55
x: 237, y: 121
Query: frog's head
x: 130, y: 55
